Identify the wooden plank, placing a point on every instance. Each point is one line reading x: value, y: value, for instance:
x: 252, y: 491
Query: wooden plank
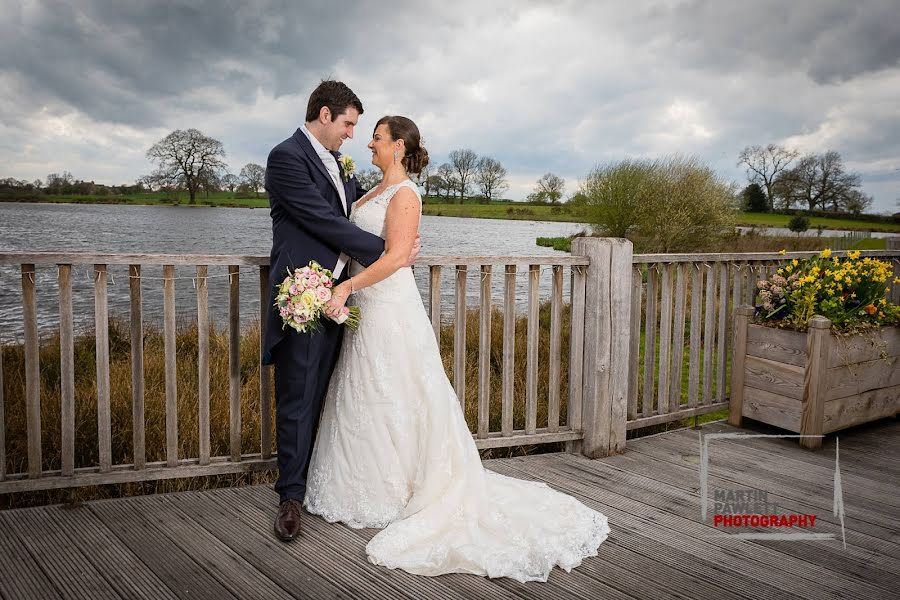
x: 637, y: 288
x: 576, y: 356
x: 722, y: 348
x: 265, y: 371
x: 234, y: 362
x: 739, y: 355
x: 106, y: 554
x: 772, y: 408
x: 625, y: 501
x: 619, y: 340
x: 66, y: 371
x: 812, y: 417
x: 203, y: 361
x: 749, y: 256
x: 696, y: 318
x: 736, y: 279
x: 683, y: 413
x: 665, y: 341
x: 531, y: 365
x: 434, y: 295
x: 171, y: 374
x: 774, y: 377
x: 541, y: 436
x: 101, y: 327
x: 858, y: 378
x: 146, y: 539
x: 154, y: 471
x: 218, y: 559
x: 678, y: 340
x: 555, y: 349
x: 751, y: 289
x: 484, y: 354
x: 650, y: 320
x: 32, y: 372
x: 780, y: 345
x: 709, y: 332
x: 861, y: 408
x: 71, y: 573
x: 20, y: 572
x: 138, y: 438
x: 859, y: 348
x: 509, y: 350
x: 459, y: 338
x: 284, y: 565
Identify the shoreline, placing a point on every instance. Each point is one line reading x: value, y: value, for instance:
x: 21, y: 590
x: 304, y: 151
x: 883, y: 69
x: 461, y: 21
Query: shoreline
x: 499, y: 211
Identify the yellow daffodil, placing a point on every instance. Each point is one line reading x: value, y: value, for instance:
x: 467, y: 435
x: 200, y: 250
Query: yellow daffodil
x: 825, y: 253
x: 782, y: 252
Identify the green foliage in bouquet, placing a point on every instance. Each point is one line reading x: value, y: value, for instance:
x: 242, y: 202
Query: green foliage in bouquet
x: 850, y: 292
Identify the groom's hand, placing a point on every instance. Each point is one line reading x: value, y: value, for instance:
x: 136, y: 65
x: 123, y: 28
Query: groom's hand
x: 414, y: 253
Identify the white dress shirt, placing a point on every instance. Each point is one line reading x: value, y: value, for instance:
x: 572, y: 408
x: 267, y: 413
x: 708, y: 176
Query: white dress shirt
x: 331, y: 166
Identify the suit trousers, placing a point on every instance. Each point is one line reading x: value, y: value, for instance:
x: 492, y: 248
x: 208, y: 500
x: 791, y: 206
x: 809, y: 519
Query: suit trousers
x: 303, y: 366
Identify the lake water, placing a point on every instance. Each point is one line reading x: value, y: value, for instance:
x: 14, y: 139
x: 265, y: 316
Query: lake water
x: 204, y: 230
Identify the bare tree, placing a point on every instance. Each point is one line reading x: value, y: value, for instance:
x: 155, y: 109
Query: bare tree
x: 254, y: 176
x: 230, y: 181
x: 183, y: 157
x: 764, y: 165
x: 446, y: 179
x: 465, y: 165
x: 819, y: 181
x: 857, y: 202
x: 491, y: 178
x: 549, y: 188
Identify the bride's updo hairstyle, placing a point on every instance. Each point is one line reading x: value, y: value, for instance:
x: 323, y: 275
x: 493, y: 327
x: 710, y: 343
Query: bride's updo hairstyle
x: 401, y: 128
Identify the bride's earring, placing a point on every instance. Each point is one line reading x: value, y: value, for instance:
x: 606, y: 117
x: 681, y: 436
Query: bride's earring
x: 395, y: 157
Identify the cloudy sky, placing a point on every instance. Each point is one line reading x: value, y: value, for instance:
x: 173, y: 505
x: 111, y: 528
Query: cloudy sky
x: 88, y: 86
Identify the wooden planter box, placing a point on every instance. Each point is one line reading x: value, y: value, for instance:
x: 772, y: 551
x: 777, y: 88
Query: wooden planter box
x: 814, y: 382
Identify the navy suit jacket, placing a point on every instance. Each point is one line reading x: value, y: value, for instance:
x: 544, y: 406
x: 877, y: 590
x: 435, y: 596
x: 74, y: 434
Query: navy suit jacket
x: 308, y: 222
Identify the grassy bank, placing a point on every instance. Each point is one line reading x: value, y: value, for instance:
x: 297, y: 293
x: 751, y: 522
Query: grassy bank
x: 748, y: 243
x: 86, y: 453
x: 439, y: 208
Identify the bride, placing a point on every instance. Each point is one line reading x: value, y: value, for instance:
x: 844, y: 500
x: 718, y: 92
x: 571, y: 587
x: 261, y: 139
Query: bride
x: 393, y: 449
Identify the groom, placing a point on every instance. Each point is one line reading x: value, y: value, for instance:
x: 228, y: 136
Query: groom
x: 310, y: 197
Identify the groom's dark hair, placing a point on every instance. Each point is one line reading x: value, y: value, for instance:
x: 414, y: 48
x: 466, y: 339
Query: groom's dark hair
x: 336, y: 96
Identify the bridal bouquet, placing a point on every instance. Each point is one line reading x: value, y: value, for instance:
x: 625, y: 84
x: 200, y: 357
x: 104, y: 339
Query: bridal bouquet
x: 302, y: 297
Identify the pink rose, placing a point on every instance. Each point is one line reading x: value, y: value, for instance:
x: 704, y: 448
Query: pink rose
x: 313, y: 280
x: 294, y: 290
x: 323, y: 294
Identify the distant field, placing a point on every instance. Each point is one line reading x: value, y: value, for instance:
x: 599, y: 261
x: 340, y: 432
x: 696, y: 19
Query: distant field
x: 504, y: 210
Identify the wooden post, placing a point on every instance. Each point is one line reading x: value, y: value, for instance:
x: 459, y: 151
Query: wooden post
x: 739, y: 352
x: 531, y: 348
x: 434, y: 295
x: 576, y: 359
x: 606, y: 343
x: 484, y: 354
x: 234, y: 361
x: 459, y: 338
x: 66, y: 371
x: 171, y: 372
x: 509, y: 351
x: 101, y: 325
x: 137, y: 368
x: 203, y: 362
x: 812, y: 421
x: 32, y: 372
x: 265, y: 371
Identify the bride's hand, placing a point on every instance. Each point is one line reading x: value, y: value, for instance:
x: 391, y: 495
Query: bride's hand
x: 339, y: 295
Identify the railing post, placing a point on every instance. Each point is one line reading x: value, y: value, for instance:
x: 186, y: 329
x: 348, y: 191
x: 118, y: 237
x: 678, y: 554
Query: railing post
x: 607, y: 332
x: 739, y: 353
x: 814, y: 386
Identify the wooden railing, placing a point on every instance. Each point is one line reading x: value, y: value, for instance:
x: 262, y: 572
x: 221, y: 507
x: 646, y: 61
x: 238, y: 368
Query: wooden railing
x: 588, y: 330
x: 685, y: 303
x: 676, y: 307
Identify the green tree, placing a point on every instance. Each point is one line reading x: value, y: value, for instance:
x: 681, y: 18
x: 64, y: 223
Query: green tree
x: 798, y: 224
x: 754, y: 199
x: 549, y: 188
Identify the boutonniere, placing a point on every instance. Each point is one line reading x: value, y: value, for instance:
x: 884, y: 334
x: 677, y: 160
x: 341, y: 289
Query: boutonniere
x: 348, y: 165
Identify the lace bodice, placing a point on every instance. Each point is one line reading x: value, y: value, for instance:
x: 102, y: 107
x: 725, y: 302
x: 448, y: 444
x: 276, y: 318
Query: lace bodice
x: 371, y: 215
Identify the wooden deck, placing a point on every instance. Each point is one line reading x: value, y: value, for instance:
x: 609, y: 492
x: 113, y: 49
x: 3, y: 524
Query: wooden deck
x: 218, y: 544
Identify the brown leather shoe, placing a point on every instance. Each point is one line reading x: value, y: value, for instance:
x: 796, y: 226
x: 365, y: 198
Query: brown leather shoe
x: 287, y: 522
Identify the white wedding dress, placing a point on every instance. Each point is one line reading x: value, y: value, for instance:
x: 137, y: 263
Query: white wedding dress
x: 393, y: 451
